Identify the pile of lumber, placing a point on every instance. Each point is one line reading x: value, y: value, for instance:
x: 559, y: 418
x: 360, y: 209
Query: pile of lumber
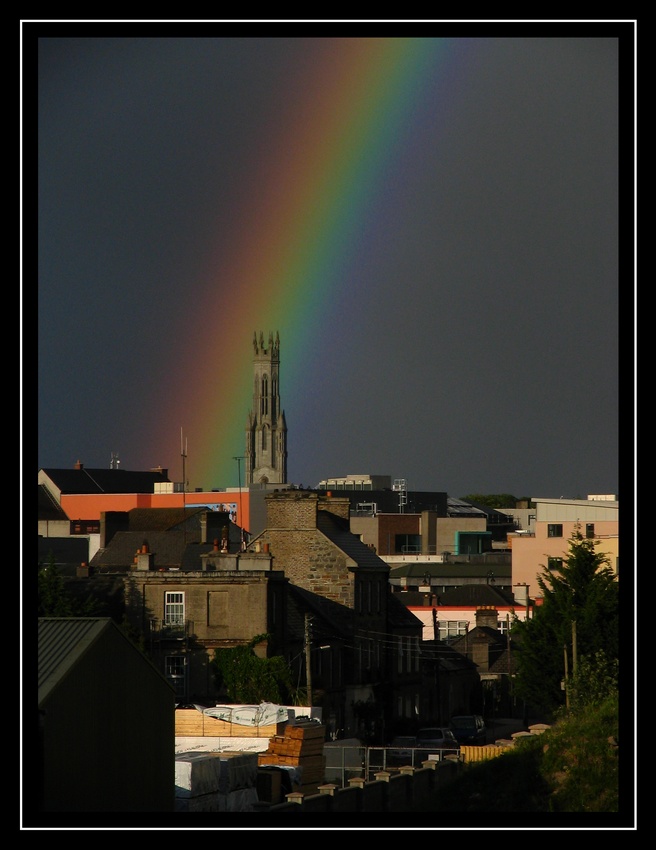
x: 301, y: 746
x: 194, y: 723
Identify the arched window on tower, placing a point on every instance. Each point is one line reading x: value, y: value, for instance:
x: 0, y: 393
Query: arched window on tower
x: 264, y: 439
x: 265, y: 395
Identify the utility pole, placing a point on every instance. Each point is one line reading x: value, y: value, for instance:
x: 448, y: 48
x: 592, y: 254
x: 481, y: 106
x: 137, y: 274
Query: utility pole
x: 574, y: 653
x: 241, y: 524
x: 510, y: 675
x: 183, y: 453
x: 308, y: 672
x: 566, y: 683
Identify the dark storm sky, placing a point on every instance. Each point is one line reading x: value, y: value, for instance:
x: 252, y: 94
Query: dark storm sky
x: 479, y: 351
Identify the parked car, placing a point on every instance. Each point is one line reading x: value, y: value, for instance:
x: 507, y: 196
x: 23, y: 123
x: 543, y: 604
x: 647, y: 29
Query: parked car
x: 400, y: 750
x: 469, y: 729
x: 438, y: 739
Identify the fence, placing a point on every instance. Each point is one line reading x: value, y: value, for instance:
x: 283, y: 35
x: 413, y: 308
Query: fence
x: 350, y: 762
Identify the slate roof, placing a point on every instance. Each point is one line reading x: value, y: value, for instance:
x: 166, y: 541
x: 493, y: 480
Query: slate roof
x: 158, y: 519
x: 499, y: 659
x: 89, y: 481
x: 173, y: 536
x: 333, y: 621
x: 449, y: 659
x: 68, y: 552
x: 417, y: 569
x: 467, y: 595
x: 169, y: 549
x: 337, y: 530
x: 330, y: 619
x: 398, y: 616
x: 506, y: 662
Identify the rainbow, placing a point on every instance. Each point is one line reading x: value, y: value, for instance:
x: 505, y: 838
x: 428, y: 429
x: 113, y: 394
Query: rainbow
x: 327, y: 167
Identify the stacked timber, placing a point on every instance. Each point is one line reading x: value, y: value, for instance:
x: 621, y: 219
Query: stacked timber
x: 194, y: 723
x: 300, y: 747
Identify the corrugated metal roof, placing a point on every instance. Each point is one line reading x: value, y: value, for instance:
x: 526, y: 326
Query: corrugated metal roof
x: 62, y: 641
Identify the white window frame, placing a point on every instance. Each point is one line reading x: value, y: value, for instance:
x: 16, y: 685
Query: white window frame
x: 174, y: 608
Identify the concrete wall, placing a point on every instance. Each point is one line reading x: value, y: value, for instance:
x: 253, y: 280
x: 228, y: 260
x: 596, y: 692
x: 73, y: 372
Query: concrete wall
x: 412, y: 789
x: 448, y: 526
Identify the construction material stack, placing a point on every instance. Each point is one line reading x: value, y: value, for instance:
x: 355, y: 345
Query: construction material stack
x: 215, y: 782
x: 300, y: 748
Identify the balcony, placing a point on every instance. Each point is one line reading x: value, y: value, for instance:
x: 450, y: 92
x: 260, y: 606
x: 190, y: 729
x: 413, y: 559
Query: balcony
x: 177, y: 631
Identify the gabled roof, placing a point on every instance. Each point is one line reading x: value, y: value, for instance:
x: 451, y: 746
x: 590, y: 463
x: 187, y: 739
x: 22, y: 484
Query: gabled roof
x: 448, y: 658
x: 61, y: 643
x: 169, y: 549
x: 496, y: 642
x: 173, y: 536
x: 49, y: 508
x: 338, y: 532
x: 99, y: 481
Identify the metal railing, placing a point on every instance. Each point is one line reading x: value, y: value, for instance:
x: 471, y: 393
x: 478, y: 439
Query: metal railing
x: 344, y: 763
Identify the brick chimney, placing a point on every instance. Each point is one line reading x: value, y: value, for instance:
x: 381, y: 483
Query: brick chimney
x: 144, y: 558
x: 487, y: 615
x: 78, y: 465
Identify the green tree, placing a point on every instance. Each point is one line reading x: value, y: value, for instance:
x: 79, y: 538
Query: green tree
x: 54, y: 600
x: 249, y: 679
x: 580, y: 605
x: 594, y: 681
x: 498, y: 501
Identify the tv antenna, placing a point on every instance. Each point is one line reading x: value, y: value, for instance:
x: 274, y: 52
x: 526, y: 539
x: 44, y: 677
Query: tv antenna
x: 183, y: 454
x: 400, y: 486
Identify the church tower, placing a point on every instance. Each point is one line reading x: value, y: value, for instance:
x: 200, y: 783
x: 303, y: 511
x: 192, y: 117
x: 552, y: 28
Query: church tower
x: 266, y: 430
